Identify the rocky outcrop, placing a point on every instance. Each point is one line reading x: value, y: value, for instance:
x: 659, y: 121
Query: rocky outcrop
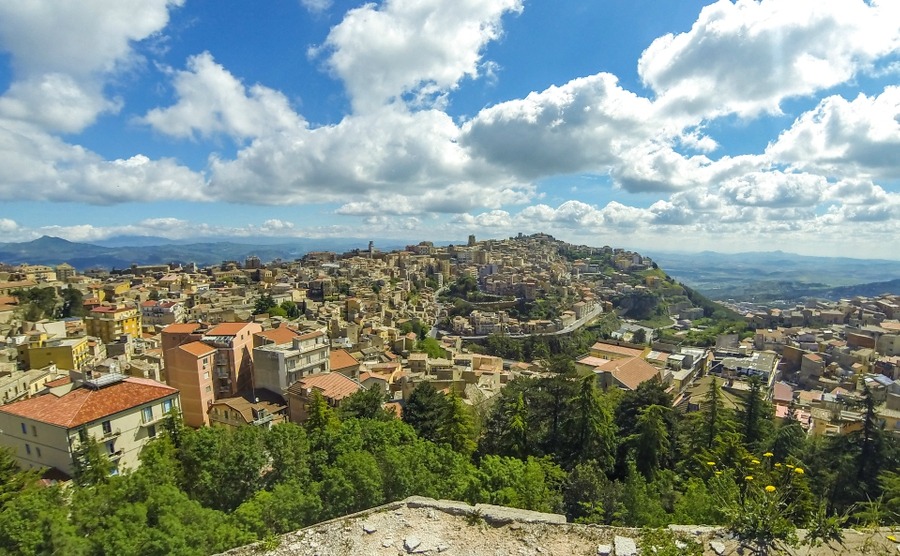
x: 442, y: 527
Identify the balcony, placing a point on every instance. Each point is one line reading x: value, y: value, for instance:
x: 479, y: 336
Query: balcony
x: 110, y: 434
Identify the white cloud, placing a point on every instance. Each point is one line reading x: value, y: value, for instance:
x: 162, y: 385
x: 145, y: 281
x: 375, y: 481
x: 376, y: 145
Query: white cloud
x: 420, y: 49
x: 211, y: 100
x: 583, y: 125
x: 775, y: 189
x: 316, y: 6
x: 8, y: 225
x: 859, y: 138
x: 63, y: 52
x: 748, y: 56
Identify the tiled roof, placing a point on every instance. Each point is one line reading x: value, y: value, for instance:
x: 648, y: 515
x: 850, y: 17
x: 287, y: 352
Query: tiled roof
x: 198, y: 349
x: 227, y: 329
x: 333, y: 386
x: 619, y: 350
x: 185, y: 328
x: 311, y: 335
x: 83, y: 405
x: 341, y: 359
x: 280, y: 335
x: 631, y: 371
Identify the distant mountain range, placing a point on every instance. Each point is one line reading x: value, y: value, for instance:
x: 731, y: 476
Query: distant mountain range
x: 778, y: 275
x: 122, y: 252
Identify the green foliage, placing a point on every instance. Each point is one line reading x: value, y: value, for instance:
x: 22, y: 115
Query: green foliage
x: 90, y: 465
x: 431, y: 347
x: 73, y: 303
x: 365, y: 403
x: 37, y: 303
x: 425, y: 410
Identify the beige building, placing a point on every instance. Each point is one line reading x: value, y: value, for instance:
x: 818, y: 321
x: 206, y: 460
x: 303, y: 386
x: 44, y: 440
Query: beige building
x: 69, y: 354
x: 277, y: 366
x: 120, y: 413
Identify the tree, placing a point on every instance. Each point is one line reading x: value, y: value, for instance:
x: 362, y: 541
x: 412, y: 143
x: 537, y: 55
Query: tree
x: 650, y: 444
x: 365, y: 403
x: 12, y: 479
x: 431, y: 347
x: 264, y: 304
x: 425, y: 410
x: 754, y: 414
x: 639, y: 336
x: 73, y: 303
x: 90, y: 465
x: 290, y: 308
x: 711, y: 411
x: 456, y: 428
x: 591, y: 431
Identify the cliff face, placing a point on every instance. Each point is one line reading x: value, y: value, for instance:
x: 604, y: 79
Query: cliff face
x: 431, y: 527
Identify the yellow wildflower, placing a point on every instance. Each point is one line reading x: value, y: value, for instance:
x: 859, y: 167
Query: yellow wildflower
x: 777, y: 465
x: 768, y: 455
x: 770, y: 488
x: 755, y: 462
x: 710, y: 463
x: 718, y: 472
x: 789, y: 466
x: 798, y: 470
x: 748, y: 478
x: 892, y: 538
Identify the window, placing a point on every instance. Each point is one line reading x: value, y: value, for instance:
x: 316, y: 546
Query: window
x: 24, y: 429
x: 28, y: 449
x: 206, y: 375
x: 208, y: 388
x: 38, y: 451
x: 151, y: 431
x: 107, y: 427
x: 34, y: 430
x: 147, y: 414
x: 82, y: 434
x: 111, y: 447
x: 167, y: 406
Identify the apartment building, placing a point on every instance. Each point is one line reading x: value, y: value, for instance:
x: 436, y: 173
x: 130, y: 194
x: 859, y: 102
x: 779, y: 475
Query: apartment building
x: 109, y: 322
x: 121, y: 413
x: 277, y: 366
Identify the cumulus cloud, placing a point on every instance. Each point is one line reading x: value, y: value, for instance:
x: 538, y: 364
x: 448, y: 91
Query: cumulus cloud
x: 211, y: 100
x: 37, y: 166
x: 416, y: 50
x: 63, y: 52
x: 846, y: 138
x: 746, y: 57
x: 583, y: 125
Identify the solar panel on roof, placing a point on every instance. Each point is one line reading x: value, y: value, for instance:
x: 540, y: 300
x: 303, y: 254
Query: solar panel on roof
x: 104, y: 380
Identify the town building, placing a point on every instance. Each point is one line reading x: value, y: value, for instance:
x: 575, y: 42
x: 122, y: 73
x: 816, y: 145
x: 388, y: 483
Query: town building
x: 121, y: 413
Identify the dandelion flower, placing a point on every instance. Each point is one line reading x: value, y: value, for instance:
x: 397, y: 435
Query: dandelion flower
x: 768, y: 455
x: 770, y: 488
x: 892, y: 538
x: 718, y: 472
x: 710, y: 463
x: 748, y: 478
x: 798, y: 470
x: 755, y: 462
x: 777, y: 465
x: 789, y: 466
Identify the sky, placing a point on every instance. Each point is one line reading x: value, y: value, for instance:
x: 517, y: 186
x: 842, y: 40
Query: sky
x: 663, y: 126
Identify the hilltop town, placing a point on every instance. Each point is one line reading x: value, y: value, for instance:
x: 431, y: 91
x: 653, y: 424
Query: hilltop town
x: 106, y: 359
x: 368, y: 315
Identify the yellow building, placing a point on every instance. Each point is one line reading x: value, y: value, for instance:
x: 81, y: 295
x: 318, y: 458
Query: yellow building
x: 69, y: 354
x: 109, y: 323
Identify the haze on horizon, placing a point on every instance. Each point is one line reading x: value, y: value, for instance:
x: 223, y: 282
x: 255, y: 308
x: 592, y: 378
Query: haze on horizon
x: 733, y: 126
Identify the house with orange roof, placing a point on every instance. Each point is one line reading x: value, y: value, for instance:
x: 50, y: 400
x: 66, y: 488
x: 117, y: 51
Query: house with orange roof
x: 121, y: 413
x: 626, y: 373
x: 606, y: 350
x: 334, y: 387
x: 109, y: 322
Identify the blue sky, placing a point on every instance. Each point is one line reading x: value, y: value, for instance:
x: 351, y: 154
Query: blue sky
x: 731, y: 126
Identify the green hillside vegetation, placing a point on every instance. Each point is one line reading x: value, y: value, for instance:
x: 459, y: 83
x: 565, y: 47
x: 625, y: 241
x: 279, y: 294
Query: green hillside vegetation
x: 554, y: 444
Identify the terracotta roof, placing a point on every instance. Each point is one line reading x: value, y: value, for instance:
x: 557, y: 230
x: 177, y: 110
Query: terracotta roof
x: 280, y: 335
x: 185, y: 328
x: 592, y: 361
x: 227, y: 329
x: 341, y: 359
x: 782, y: 392
x: 58, y: 382
x: 333, y: 386
x: 631, y: 371
x: 198, y: 349
x: 83, y: 405
x: 619, y: 350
